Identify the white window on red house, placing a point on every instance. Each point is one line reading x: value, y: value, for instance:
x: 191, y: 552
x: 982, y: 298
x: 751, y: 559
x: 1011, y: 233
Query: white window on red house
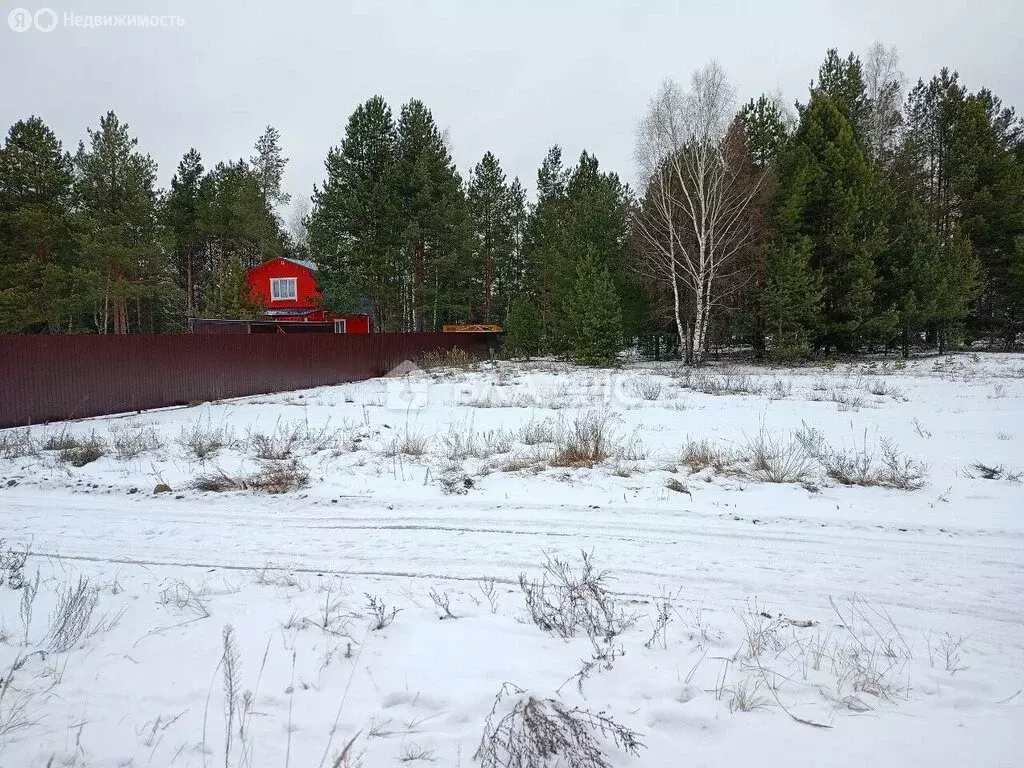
x: 283, y: 289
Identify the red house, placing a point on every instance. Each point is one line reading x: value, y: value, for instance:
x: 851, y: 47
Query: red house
x: 287, y: 289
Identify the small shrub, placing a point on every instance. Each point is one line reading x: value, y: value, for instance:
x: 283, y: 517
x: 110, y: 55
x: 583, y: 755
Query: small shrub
x: 12, y: 565
x: 381, y: 614
x: 724, y: 384
x: 900, y: 471
x: 566, y: 600
x: 995, y: 472
x: 535, y: 461
x: 879, y: 388
x: 540, y: 732
x: 291, y: 438
x: 62, y: 441
x: 70, y: 618
x: 93, y: 448
x: 859, y: 465
x: 780, y: 389
x: 847, y: 401
x: 492, y: 442
x: 456, y: 483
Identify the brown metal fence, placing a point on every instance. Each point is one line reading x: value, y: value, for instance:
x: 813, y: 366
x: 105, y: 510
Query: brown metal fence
x: 51, y: 378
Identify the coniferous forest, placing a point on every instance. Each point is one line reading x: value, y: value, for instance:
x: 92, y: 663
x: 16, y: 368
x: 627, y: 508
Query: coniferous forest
x: 874, y: 214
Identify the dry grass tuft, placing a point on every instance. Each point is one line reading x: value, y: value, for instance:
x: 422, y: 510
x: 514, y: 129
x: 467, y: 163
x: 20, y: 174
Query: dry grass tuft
x: 274, y: 477
x: 646, y: 388
x: 409, y: 443
x: 204, y: 441
x: 131, y: 440
x: 293, y: 438
x: 589, y: 440
x: 698, y: 455
x: 675, y: 485
x: 446, y: 358
x: 17, y: 443
x: 778, y: 460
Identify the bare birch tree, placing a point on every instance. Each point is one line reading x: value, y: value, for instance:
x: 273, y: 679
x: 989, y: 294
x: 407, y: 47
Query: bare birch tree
x: 884, y: 82
x: 693, y: 220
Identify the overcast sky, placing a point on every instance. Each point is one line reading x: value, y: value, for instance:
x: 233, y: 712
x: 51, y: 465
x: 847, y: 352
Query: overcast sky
x: 510, y: 76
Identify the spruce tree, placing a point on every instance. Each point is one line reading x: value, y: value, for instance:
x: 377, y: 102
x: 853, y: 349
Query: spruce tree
x: 523, y: 329
x: 596, y: 330
x: 791, y: 303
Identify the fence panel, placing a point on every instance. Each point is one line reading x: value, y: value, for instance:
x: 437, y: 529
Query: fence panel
x: 51, y: 378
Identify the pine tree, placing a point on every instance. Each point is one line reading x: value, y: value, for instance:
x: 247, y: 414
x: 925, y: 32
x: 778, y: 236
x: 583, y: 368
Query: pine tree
x: 580, y: 212
x: 842, y: 81
x: 437, y: 230
x: 43, y: 283
x: 958, y: 165
x: 116, y: 186
x: 597, y: 222
x: 593, y: 305
x: 989, y: 185
x: 546, y: 246
x: 493, y: 208
x: 226, y: 293
x: 234, y: 217
x: 268, y: 164
x: 765, y: 127
x: 181, y: 216
x: 825, y: 193
x: 355, y: 230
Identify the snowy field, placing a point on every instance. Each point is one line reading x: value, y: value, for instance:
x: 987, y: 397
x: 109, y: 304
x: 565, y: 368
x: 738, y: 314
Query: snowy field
x: 790, y: 566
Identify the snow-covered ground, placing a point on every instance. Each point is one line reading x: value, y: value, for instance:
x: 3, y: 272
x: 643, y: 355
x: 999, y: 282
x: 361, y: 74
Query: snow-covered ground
x: 807, y: 621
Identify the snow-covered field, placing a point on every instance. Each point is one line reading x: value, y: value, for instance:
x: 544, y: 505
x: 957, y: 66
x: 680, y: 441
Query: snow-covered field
x: 378, y: 607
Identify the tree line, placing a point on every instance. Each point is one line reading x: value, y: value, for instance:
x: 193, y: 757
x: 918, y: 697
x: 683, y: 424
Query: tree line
x: 89, y: 244
x: 870, y: 215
